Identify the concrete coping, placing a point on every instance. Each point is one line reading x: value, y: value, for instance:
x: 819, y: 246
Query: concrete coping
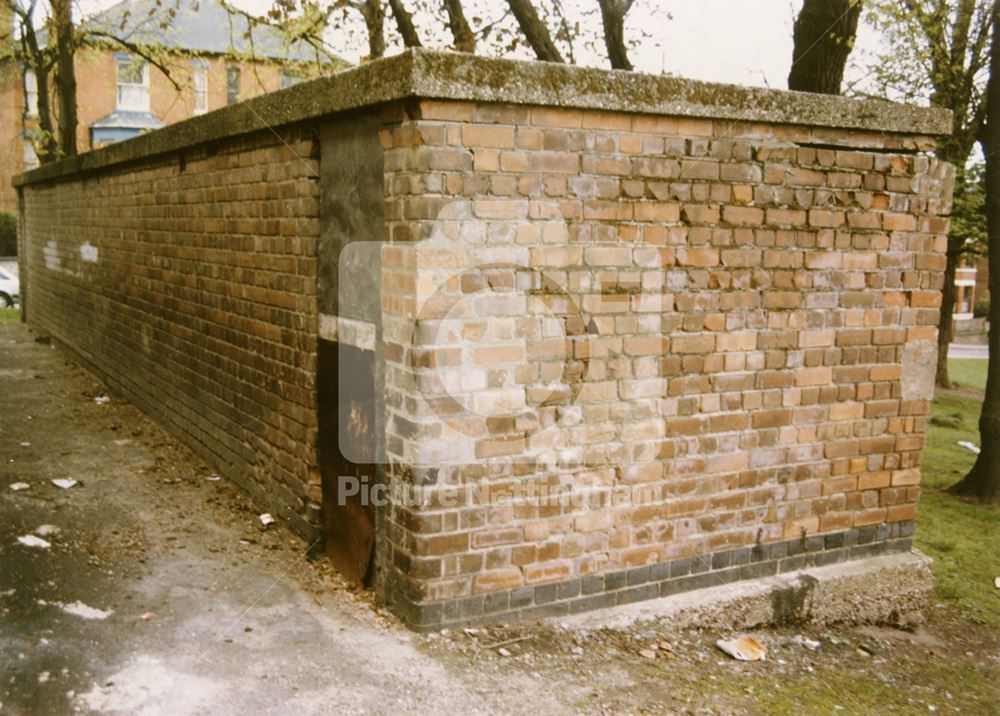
x: 430, y: 74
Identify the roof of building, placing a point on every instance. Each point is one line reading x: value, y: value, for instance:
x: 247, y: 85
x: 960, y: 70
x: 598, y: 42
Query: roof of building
x: 122, y: 119
x: 198, y: 26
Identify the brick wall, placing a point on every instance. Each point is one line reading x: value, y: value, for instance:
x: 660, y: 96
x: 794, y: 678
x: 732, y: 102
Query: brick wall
x: 617, y: 341
x: 661, y: 336
x: 189, y: 285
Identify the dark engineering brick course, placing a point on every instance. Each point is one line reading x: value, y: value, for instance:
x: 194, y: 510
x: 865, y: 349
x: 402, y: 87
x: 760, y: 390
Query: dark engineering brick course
x: 663, y: 579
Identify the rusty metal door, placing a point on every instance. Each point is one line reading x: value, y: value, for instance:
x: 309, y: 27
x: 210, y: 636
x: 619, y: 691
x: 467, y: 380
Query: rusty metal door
x: 346, y: 396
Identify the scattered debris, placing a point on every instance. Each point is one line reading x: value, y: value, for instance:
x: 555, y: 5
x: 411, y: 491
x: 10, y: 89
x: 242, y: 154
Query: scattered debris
x: 744, y: 648
x: 101, y: 399
x: 969, y: 446
x: 212, y: 478
x: 147, y: 616
x: 810, y: 644
x: 503, y: 652
x: 25, y: 444
x: 81, y: 610
x: 266, y: 519
x: 64, y: 482
x: 647, y: 653
x: 996, y: 582
x: 46, y: 530
x: 18, y: 486
x: 7, y: 592
x: 33, y: 541
x: 43, y: 677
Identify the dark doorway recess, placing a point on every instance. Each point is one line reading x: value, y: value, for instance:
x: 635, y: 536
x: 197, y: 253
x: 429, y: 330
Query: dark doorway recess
x: 346, y: 391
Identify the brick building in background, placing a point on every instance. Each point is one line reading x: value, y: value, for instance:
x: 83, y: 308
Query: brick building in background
x: 119, y: 95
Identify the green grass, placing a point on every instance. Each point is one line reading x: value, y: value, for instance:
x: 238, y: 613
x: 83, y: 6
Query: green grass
x: 960, y: 536
x: 10, y: 315
x: 858, y: 690
x: 968, y: 373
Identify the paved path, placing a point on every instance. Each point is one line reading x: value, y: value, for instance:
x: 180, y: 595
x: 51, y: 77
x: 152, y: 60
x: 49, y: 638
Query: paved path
x: 205, y: 613
x: 965, y: 350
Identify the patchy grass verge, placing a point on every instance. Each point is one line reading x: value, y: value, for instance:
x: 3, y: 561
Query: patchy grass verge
x: 960, y: 536
x: 10, y: 315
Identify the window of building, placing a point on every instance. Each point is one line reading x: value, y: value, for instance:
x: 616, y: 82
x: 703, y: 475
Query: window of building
x: 232, y: 85
x: 289, y: 78
x: 30, y: 93
x: 199, y: 79
x: 133, y: 84
x: 30, y: 158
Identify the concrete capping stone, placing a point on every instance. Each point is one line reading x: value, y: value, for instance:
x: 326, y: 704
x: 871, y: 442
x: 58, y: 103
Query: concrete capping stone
x: 718, y: 569
x: 437, y: 75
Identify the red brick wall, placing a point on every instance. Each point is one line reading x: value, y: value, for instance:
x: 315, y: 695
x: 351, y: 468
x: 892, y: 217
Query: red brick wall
x: 192, y: 289
x: 714, y: 315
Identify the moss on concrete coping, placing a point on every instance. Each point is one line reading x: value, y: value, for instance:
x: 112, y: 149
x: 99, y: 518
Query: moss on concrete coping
x: 444, y: 75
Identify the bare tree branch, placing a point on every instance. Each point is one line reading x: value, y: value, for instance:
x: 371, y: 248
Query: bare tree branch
x: 404, y: 23
x: 465, y: 40
x: 535, y: 31
x: 141, y: 51
x: 613, y: 14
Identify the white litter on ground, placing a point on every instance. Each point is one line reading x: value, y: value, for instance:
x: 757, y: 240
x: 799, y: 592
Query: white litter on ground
x: 969, y: 446
x: 212, y: 478
x: 79, y: 609
x: 810, y: 644
x: 43, y: 677
x: 266, y: 519
x: 64, y: 482
x: 101, y: 399
x: 46, y: 530
x: 25, y: 444
x: 18, y: 486
x: 33, y: 541
x: 744, y: 648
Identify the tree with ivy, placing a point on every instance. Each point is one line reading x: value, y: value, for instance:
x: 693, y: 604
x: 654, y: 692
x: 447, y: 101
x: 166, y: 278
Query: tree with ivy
x: 46, y: 40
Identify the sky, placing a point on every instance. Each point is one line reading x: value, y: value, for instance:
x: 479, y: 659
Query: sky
x: 746, y: 42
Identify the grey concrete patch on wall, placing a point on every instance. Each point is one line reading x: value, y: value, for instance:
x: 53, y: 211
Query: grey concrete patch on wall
x: 919, y: 368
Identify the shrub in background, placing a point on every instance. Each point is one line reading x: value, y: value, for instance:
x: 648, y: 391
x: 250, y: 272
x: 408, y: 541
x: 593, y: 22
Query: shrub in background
x: 8, y: 234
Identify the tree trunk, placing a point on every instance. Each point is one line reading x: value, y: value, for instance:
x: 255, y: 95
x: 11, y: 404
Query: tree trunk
x: 465, y: 40
x: 946, y: 322
x: 46, y: 148
x: 535, y: 31
x: 823, y: 38
x: 983, y: 481
x: 62, y: 16
x: 613, y: 14
x: 404, y: 23
x: 374, y: 16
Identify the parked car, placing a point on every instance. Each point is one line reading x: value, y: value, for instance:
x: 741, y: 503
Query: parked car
x: 10, y: 289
